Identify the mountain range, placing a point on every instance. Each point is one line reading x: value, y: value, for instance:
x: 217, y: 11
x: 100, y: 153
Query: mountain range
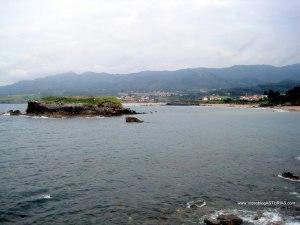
x: 195, y: 79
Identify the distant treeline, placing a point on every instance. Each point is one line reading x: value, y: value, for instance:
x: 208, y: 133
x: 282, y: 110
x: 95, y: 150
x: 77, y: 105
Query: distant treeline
x: 291, y: 97
x: 281, y: 87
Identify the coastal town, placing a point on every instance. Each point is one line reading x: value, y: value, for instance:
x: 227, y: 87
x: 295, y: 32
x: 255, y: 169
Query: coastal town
x: 147, y: 97
x: 165, y: 96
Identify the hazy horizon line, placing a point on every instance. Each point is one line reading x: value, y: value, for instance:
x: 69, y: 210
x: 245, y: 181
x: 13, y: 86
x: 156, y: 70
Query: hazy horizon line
x: 141, y: 71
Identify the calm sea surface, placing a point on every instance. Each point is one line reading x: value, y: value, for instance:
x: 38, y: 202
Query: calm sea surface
x: 104, y: 171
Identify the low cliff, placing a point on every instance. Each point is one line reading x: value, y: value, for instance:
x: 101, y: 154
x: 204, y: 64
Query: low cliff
x: 66, y: 107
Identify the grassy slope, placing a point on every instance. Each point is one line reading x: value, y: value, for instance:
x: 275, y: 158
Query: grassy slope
x: 105, y: 100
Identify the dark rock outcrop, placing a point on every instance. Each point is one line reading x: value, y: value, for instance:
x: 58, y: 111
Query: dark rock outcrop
x: 211, y: 221
x: 131, y: 119
x: 229, y: 219
x: 67, y: 110
x: 290, y: 175
x: 275, y: 223
x: 226, y: 219
x: 258, y: 216
x: 14, y: 112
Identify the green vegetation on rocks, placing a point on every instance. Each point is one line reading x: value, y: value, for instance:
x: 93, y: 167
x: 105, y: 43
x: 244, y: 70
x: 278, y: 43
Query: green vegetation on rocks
x: 77, y: 106
x: 84, y: 100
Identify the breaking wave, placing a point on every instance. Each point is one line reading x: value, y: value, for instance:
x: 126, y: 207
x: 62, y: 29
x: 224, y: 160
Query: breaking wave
x: 257, y: 218
x: 286, y: 178
x: 195, y: 204
x: 280, y: 110
x: 95, y: 117
x: 295, y: 194
x: 46, y: 196
x: 40, y: 117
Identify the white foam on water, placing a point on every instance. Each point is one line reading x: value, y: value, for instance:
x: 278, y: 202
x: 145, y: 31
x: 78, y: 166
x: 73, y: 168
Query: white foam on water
x: 46, y: 196
x: 5, y: 114
x: 298, y: 158
x: 44, y: 117
x: 143, y: 104
x: 40, y: 117
x: 198, y: 204
x: 295, y: 193
x: 253, y: 217
x: 280, y: 110
x: 95, y: 117
x: 37, y: 117
x: 279, y: 175
x: 268, y: 217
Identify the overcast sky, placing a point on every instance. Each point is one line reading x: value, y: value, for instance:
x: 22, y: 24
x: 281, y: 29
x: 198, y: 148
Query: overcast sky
x: 43, y: 37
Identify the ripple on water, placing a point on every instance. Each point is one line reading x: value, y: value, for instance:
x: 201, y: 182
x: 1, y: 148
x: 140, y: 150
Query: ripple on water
x: 295, y: 194
x: 23, y: 208
x: 88, y: 165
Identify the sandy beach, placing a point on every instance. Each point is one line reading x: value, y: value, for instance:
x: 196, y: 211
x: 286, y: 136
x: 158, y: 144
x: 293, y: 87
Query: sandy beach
x: 245, y: 106
x: 289, y: 108
x: 240, y: 106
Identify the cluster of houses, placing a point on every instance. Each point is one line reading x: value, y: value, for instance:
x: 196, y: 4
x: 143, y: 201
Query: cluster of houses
x: 138, y: 97
x: 135, y: 99
x: 158, y: 96
x: 212, y: 98
x: 251, y: 98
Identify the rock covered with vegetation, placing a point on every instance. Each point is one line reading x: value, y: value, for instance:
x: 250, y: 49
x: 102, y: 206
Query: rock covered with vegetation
x: 77, y: 106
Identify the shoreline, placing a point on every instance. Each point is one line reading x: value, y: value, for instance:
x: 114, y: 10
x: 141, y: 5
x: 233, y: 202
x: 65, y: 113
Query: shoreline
x: 254, y: 106
x: 218, y: 105
x: 127, y: 104
x: 289, y: 108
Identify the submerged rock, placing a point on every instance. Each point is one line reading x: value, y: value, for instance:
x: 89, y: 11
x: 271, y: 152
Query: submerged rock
x: 275, y: 223
x: 14, y: 112
x: 229, y: 219
x: 67, y: 110
x: 258, y: 216
x: 225, y: 219
x: 290, y: 175
x: 211, y: 221
x: 131, y: 119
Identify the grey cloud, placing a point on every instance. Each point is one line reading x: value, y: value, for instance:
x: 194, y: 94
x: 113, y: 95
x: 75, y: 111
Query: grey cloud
x: 38, y: 38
